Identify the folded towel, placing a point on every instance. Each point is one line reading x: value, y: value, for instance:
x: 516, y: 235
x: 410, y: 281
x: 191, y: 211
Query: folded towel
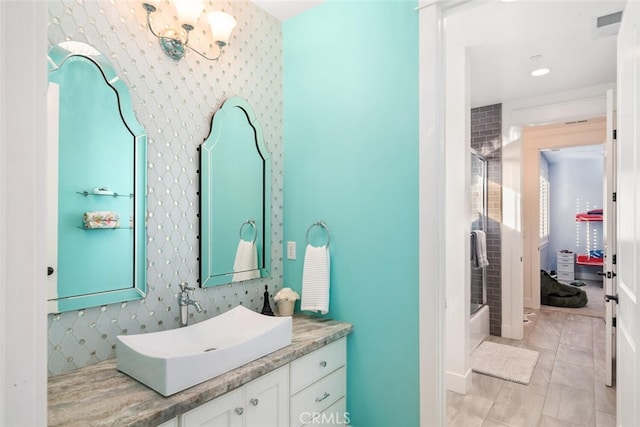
x: 104, y: 191
x: 479, y: 249
x: 100, y: 216
x: 101, y: 224
x: 315, y: 279
x: 245, y: 265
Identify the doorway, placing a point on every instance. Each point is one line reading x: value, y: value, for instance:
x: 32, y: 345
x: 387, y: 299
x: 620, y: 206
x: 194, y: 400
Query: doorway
x: 571, y: 229
x: 573, y: 194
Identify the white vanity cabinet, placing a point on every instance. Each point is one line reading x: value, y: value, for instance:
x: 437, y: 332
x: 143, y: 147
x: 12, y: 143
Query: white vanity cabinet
x: 318, y: 386
x: 263, y: 402
x: 171, y: 423
x: 300, y: 382
x: 310, y: 391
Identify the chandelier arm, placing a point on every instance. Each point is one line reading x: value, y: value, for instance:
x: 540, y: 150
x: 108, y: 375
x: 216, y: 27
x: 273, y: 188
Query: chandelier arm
x: 204, y: 56
x: 149, y: 25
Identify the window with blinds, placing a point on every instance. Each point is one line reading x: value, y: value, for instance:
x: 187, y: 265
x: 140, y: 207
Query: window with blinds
x: 544, y: 205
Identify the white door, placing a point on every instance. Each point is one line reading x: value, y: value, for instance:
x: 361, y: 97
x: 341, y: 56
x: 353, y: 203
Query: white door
x: 609, y: 279
x: 51, y: 216
x: 628, y: 206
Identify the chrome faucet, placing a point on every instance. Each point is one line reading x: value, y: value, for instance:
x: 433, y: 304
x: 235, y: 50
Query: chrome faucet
x: 184, y: 301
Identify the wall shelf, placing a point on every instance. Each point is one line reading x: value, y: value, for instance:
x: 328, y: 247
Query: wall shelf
x: 90, y: 193
x: 104, y: 228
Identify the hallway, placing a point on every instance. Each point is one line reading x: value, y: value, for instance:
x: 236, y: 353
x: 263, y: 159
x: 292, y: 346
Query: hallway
x: 567, y: 386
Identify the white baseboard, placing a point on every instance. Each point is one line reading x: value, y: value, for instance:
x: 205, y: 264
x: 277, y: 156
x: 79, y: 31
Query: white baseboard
x: 508, y: 332
x: 460, y: 384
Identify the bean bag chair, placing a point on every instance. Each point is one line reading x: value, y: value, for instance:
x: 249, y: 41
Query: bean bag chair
x: 558, y: 294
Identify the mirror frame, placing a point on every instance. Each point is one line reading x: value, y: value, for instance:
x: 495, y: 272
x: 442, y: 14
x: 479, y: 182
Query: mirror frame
x: 57, y: 56
x: 207, y: 278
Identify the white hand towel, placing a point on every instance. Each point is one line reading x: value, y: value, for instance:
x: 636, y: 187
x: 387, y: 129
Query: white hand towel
x: 480, y: 249
x: 245, y: 266
x: 315, y: 279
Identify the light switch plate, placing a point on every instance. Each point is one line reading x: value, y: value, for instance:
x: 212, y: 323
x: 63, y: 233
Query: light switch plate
x: 291, y: 250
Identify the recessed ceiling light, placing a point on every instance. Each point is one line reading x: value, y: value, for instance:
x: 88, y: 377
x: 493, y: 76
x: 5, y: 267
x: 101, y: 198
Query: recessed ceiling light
x: 535, y: 57
x: 540, y: 72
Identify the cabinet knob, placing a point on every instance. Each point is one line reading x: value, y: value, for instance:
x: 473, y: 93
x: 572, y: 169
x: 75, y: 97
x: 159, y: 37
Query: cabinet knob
x: 323, y: 363
x: 239, y: 411
x: 254, y: 401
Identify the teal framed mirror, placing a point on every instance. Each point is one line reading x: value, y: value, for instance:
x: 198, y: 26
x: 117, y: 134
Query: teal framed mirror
x: 96, y: 209
x: 235, y: 198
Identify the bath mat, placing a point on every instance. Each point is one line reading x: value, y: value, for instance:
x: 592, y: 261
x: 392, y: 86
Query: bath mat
x: 504, y: 361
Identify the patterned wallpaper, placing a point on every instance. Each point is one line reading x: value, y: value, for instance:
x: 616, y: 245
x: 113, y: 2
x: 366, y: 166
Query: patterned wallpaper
x: 174, y: 101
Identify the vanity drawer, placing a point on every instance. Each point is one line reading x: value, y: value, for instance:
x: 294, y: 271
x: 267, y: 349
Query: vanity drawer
x: 315, y: 365
x: 334, y: 416
x: 565, y: 267
x: 565, y: 276
x: 318, y: 397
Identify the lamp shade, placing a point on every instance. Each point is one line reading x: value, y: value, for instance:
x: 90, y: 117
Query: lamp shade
x: 221, y: 26
x: 189, y: 11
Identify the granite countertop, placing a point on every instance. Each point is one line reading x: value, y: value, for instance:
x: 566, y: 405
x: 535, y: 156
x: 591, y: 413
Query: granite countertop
x: 100, y: 395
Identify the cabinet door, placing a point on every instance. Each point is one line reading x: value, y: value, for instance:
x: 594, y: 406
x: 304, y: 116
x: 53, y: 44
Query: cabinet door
x: 171, y: 423
x: 267, y: 400
x: 225, y: 411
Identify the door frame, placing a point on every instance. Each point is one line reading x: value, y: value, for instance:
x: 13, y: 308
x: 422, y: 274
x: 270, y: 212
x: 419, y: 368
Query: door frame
x: 536, y: 138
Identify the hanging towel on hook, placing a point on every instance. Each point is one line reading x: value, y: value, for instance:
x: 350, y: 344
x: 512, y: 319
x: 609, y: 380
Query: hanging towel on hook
x: 315, y: 279
x: 479, y: 249
x: 245, y: 266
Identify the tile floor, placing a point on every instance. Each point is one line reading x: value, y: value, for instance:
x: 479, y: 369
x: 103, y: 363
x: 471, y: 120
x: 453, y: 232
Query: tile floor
x: 567, y: 386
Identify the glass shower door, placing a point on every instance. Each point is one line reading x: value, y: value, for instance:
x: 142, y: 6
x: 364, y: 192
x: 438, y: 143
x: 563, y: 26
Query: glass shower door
x: 478, y: 220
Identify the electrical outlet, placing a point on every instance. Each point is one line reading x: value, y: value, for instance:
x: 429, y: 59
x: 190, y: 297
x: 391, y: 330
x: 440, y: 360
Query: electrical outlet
x: 291, y: 250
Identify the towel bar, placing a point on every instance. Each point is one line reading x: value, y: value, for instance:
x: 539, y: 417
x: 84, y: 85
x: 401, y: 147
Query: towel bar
x: 319, y: 224
x: 252, y: 223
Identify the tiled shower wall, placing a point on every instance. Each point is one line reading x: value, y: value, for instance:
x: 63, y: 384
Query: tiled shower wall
x: 478, y: 201
x: 174, y: 101
x: 486, y: 130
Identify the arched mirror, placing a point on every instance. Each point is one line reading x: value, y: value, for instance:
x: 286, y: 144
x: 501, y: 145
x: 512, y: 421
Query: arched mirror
x: 97, y: 183
x: 235, y: 198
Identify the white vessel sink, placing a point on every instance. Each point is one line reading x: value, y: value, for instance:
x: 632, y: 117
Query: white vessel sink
x: 171, y: 361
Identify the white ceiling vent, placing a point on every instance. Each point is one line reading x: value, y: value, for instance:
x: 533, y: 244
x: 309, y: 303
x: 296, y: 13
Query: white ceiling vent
x: 607, y: 25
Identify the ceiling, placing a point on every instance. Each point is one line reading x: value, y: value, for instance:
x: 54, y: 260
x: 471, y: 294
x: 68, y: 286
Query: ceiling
x: 502, y: 37
x: 285, y: 9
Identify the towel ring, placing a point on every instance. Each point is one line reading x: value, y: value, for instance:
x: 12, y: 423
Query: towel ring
x: 252, y: 223
x: 319, y: 224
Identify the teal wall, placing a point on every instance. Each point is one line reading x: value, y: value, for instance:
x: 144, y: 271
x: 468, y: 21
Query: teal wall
x: 351, y: 159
